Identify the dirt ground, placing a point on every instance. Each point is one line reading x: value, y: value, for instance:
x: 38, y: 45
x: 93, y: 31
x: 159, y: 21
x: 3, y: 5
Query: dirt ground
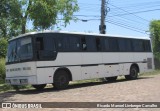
x: 144, y: 89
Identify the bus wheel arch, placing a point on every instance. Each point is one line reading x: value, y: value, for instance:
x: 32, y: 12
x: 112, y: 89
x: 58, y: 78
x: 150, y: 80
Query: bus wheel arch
x: 134, y: 70
x: 61, y: 78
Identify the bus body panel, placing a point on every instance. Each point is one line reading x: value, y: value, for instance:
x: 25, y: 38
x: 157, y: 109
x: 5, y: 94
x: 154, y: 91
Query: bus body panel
x: 46, y: 69
x: 22, y: 73
x: 70, y: 59
x: 110, y: 57
x: 111, y: 63
x: 125, y: 68
x: 25, y: 80
x: 21, y: 69
x: 45, y: 75
x: 150, y: 62
x: 76, y: 72
x: 90, y: 64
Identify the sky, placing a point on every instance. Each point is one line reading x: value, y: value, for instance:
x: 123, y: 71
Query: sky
x: 124, y: 17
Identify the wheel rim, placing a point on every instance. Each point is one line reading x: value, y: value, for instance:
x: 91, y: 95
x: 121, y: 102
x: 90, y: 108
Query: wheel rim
x: 62, y: 80
x: 133, y: 72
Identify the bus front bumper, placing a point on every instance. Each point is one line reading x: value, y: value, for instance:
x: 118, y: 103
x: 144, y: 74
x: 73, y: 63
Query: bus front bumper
x: 21, y: 80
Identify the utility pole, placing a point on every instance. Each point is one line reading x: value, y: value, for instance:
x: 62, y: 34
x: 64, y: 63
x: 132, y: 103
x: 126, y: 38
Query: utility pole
x: 102, y: 26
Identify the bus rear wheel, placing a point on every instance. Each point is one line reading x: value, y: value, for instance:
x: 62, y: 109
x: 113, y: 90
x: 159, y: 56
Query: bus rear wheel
x: 61, y: 80
x: 133, y: 73
x: 111, y: 79
x: 39, y: 87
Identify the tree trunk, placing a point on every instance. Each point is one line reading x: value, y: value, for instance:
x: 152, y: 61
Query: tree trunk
x: 23, y: 28
x: 24, y: 18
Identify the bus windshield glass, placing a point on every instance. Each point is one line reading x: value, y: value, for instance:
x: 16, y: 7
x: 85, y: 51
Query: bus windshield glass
x: 20, y: 50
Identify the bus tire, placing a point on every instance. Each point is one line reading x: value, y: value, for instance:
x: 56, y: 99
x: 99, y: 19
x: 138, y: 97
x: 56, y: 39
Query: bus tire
x: 61, y: 80
x: 133, y: 73
x: 39, y: 87
x: 111, y: 79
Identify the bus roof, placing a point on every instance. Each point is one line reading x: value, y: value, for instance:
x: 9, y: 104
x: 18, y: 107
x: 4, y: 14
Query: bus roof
x: 78, y: 33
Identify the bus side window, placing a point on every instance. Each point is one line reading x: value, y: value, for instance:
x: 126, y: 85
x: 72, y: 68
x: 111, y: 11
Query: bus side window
x: 128, y: 45
x: 98, y: 44
x: 106, y: 44
x: 113, y: 45
x: 91, y: 44
x: 39, y: 43
x: 122, y: 45
x: 39, y: 46
x: 84, y: 45
x: 74, y: 43
x: 147, y: 46
x: 63, y: 44
x: 138, y: 45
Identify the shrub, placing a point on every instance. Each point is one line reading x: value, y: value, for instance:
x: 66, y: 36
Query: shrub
x: 2, y: 69
x: 3, y: 47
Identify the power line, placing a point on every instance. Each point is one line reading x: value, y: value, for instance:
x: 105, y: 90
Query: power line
x: 115, y: 23
x: 126, y: 27
x: 87, y: 15
x: 89, y: 4
x: 131, y: 26
x: 129, y: 5
x: 129, y: 12
x: 123, y: 22
x: 142, y: 4
x: 144, y: 11
x: 150, y: 6
x: 130, y: 20
x: 132, y: 3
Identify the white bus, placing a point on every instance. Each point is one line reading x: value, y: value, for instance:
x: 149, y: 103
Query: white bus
x: 57, y: 58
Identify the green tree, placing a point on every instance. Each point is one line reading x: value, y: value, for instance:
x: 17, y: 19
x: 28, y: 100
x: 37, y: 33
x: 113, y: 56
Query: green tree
x: 44, y: 13
x: 9, y: 22
x: 155, y: 34
x: 3, y: 47
x: 14, y: 14
x: 2, y: 69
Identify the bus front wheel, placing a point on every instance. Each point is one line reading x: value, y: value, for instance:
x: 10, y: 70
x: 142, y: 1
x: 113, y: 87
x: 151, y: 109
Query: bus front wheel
x: 61, y: 80
x: 39, y: 87
x: 133, y: 73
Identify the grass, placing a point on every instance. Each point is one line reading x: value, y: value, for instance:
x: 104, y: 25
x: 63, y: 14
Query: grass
x: 155, y: 72
x: 2, y: 81
x: 4, y: 87
x: 86, y: 81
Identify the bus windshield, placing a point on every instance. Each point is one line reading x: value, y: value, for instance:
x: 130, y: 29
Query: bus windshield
x: 20, y: 50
